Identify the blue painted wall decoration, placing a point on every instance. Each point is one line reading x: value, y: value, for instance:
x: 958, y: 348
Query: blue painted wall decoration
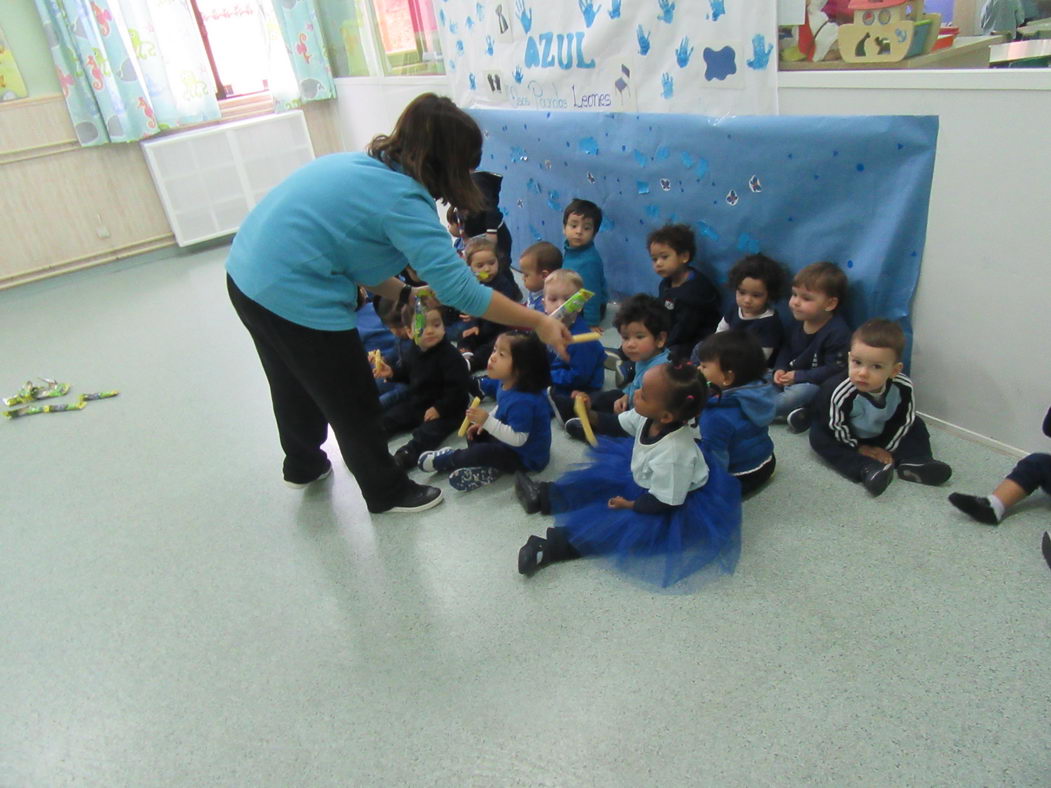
x: 853, y: 190
x: 715, y: 57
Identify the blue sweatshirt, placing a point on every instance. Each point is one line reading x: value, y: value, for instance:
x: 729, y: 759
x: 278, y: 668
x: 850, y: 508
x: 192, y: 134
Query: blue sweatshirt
x: 337, y: 222
x: 587, y: 262
x: 734, y: 426
x: 526, y: 412
x: 585, y: 369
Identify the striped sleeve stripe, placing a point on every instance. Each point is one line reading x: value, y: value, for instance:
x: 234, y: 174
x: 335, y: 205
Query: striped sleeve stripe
x: 910, y: 412
x: 838, y: 417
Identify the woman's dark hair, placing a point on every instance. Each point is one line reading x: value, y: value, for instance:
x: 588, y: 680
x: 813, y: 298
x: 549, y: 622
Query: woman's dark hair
x: 645, y: 309
x: 438, y: 144
x: 686, y: 391
x: 679, y: 237
x: 758, y: 266
x: 529, y: 361
x: 738, y: 352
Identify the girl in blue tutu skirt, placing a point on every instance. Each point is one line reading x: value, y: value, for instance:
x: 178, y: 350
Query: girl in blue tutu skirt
x: 657, y: 508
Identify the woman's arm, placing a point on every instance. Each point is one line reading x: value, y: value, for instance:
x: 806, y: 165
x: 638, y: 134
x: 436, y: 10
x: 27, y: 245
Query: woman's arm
x: 552, y: 332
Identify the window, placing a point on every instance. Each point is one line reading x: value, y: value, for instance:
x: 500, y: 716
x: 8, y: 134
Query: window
x: 235, y: 37
x: 381, y: 37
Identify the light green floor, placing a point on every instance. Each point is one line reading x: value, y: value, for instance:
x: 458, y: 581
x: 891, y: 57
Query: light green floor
x: 172, y: 615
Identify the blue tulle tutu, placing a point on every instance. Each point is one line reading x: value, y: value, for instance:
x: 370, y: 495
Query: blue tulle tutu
x: 667, y: 550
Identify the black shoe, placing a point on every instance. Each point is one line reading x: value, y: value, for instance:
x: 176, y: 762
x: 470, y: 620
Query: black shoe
x: 531, y: 555
x: 933, y: 472
x: 405, y: 457
x: 975, y: 506
x: 575, y: 429
x: 877, y: 478
x: 299, y: 485
x: 528, y: 493
x: 417, y: 498
x: 1045, y: 547
x: 799, y: 420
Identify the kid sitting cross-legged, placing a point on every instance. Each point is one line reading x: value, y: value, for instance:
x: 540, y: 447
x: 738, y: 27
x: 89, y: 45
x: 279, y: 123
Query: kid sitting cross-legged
x: 643, y: 325
x: 816, y: 347
x: 734, y: 422
x: 757, y: 282
x: 585, y: 369
x: 864, y: 420
x: 438, y: 385
x: 517, y: 435
x: 657, y: 505
x: 536, y: 262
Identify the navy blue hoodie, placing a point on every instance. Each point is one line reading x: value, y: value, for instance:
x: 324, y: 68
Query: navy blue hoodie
x: 734, y: 426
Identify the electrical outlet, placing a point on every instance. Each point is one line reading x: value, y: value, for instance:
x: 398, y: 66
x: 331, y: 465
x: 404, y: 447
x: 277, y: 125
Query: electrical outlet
x: 101, y: 230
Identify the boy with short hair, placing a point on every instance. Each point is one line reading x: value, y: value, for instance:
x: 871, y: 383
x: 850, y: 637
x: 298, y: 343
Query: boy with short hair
x: 438, y: 383
x: 536, y: 262
x: 816, y: 346
x: 580, y: 222
x: 864, y: 420
x: 585, y: 369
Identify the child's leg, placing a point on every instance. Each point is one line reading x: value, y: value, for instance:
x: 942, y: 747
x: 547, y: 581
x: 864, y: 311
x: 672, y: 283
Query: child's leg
x: 914, y: 460
x: 391, y: 393
x: 850, y: 462
x: 430, y: 434
x: 753, y: 480
x: 538, y: 552
x: 797, y: 395
x: 483, y: 452
x: 1030, y: 472
x: 401, y: 417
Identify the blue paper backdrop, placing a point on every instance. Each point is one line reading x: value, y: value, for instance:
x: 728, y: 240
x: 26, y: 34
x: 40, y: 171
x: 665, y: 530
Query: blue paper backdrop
x: 853, y: 190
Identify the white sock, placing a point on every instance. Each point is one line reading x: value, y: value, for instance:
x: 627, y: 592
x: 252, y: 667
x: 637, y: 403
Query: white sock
x: 998, y: 507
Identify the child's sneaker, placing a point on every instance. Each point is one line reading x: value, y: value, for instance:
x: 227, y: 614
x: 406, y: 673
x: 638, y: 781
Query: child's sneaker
x: 467, y: 479
x: 799, y: 420
x: 300, y: 485
x: 426, y: 461
x: 933, y: 472
x: 877, y: 478
x: 575, y: 429
x: 976, y: 506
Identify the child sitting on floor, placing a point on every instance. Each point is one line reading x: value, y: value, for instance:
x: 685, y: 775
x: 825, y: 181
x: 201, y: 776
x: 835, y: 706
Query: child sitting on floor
x: 735, y: 421
x: 691, y: 300
x: 517, y: 435
x: 438, y: 390
x: 657, y: 505
x: 816, y: 347
x: 476, y: 337
x: 1030, y: 472
x: 536, y: 262
x: 864, y: 421
x: 758, y: 283
x: 585, y: 369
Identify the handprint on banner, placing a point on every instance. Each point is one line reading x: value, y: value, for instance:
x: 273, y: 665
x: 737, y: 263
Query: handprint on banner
x: 644, y: 40
x: 518, y: 75
x: 614, y: 10
x: 667, y: 13
x: 489, y: 45
x: 761, y: 53
x: 667, y: 85
x: 525, y: 16
x: 589, y: 11
x: 684, y: 52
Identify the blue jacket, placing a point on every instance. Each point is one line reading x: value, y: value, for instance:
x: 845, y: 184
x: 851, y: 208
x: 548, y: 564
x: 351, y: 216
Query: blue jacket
x: 585, y: 369
x: 734, y: 426
x: 340, y: 221
x: 587, y: 262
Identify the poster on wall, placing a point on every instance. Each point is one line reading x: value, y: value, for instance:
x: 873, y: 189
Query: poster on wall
x: 706, y: 57
x: 12, y: 86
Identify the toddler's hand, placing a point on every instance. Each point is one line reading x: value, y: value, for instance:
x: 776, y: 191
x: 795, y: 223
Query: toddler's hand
x: 431, y: 414
x: 621, y: 404
x: 470, y: 332
x: 477, y: 416
x: 619, y: 502
x: 382, y: 372
x: 472, y: 432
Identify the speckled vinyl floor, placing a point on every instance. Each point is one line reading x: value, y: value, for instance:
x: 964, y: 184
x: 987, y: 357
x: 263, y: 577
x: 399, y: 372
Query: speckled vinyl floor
x: 172, y: 615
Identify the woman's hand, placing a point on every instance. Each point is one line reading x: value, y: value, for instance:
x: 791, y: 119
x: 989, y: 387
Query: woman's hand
x: 554, y: 334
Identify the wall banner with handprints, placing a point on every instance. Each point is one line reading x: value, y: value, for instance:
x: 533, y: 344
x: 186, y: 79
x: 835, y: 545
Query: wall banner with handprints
x: 709, y: 57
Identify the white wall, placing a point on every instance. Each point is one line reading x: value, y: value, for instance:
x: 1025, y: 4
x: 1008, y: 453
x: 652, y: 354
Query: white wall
x: 981, y: 314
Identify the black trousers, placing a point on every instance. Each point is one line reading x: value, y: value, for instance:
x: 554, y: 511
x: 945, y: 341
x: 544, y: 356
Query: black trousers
x: 601, y: 402
x: 914, y: 447
x: 405, y: 416
x: 1032, y: 472
x: 320, y: 379
x: 484, y: 451
x: 753, y: 480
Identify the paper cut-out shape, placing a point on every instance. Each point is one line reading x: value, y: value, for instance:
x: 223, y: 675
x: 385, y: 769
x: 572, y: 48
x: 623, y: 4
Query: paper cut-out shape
x: 754, y: 184
x: 642, y: 187
x: 732, y: 198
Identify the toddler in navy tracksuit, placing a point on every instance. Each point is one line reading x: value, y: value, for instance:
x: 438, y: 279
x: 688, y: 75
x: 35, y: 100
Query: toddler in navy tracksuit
x: 864, y: 421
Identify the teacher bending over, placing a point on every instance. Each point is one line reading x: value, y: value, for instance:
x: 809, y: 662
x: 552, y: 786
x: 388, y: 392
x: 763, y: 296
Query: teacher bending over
x: 352, y: 219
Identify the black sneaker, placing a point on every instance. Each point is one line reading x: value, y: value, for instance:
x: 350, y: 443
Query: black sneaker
x: 877, y: 478
x: 527, y: 492
x: 799, y: 420
x: 975, y: 506
x: 933, y: 472
x: 531, y: 555
x: 575, y: 429
x: 418, y: 498
x: 405, y: 458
